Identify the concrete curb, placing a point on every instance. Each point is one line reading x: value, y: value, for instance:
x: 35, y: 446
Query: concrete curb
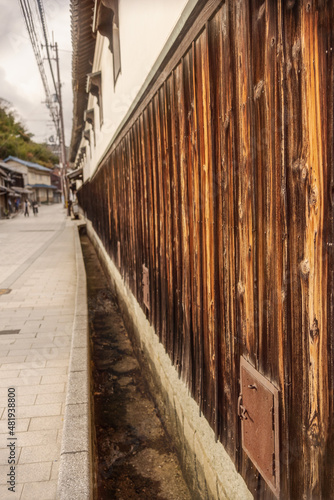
x: 75, y: 472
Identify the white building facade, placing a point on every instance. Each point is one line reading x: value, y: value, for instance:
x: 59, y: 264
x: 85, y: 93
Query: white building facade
x: 123, y: 64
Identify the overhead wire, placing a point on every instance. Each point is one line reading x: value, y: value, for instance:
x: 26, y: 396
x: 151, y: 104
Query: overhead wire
x: 29, y: 21
x: 45, y: 33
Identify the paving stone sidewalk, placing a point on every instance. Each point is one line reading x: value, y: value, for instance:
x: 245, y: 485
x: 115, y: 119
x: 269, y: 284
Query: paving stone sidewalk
x: 38, y: 266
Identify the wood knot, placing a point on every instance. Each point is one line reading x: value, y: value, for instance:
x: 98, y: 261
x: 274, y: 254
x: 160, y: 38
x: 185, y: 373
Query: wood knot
x: 241, y: 213
x: 305, y: 268
x: 227, y: 121
x: 241, y: 288
x: 298, y: 165
x: 313, y: 196
x: 224, y: 21
x: 291, y: 4
x: 258, y: 89
x: 304, y: 173
x: 314, y: 330
x: 295, y: 165
x: 296, y: 49
x: 261, y: 11
x: 313, y: 431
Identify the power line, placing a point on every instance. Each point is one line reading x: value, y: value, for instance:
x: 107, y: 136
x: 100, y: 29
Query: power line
x: 29, y: 21
x: 42, y: 17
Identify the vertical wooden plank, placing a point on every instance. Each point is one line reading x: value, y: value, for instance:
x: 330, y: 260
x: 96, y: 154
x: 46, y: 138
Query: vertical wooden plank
x: 181, y: 70
x: 267, y: 195
x: 189, y: 173
x: 195, y: 239
x: 197, y: 214
x: 246, y: 295
x: 142, y: 195
x: 145, y: 200
x: 222, y: 123
x: 109, y: 205
x: 135, y: 214
x: 161, y: 244
x: 131, y: 257
x: 150, y: 214
x: 245, y: 266
x: 155, y: 207
x: 139, y: 221
x: 177, y: 228
x: 283, y: 278
x: 206, y: 194
x: 327, y: 19
x: 296, y: 154
x: 313, y: 267
x: 169, y: 225
x: 217, y: 320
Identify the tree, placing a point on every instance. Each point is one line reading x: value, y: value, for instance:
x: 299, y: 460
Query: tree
x: 15, y: 140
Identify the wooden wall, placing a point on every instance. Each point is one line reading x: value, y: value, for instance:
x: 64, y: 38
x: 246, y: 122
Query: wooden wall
x: 223, y: 186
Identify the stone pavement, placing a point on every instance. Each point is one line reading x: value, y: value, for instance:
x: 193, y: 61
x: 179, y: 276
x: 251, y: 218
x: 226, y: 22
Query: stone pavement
x: 38, y: 266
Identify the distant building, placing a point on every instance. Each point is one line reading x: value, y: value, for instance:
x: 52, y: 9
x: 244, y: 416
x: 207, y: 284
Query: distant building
x: 5, y: 193
x: 56, y: 181
x: 36, y: 177
x: 12, y: 190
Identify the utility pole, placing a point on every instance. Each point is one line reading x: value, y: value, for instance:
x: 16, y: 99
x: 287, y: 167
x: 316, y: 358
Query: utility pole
x: 62, y: 133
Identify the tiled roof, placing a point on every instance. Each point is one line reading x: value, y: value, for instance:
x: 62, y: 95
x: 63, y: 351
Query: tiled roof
x: 28, y: 164
x: 10, y: 168
x: 83, y: 43
x: 46, y: 186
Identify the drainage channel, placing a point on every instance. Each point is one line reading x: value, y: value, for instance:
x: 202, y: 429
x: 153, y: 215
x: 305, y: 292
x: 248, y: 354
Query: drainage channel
x: 133, y: 456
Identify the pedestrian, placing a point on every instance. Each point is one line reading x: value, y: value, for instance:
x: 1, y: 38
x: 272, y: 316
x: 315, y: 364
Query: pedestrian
x: 35, y: 207
x: 26, y: 208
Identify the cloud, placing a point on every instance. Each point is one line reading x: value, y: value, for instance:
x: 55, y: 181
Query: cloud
x: 20, y: 80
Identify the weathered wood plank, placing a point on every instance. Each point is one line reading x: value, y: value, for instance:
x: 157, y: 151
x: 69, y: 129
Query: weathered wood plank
x: 313, y: 268
x: 182, y: 111
x: 222, y: 124
x: 161, y: 242
x: 177, y: 228
x: 196, y: 217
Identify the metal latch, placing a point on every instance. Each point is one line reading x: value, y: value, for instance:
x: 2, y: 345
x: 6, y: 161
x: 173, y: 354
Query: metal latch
x: 242, y: 411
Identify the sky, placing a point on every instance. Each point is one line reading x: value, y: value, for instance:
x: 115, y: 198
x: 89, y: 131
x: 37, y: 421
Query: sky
x: 20, y: 80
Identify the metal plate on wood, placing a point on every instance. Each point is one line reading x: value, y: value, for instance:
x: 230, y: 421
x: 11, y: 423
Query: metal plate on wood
x: 258, y: 410
x: 146, y: 287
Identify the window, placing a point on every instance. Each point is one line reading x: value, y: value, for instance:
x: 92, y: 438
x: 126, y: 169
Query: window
x: 90, y: 118
x: 86, y: 135
x: 106, y: 22
x: 94, y: 87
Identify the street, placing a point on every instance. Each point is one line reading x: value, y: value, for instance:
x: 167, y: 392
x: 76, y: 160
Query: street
x: 37, y: 286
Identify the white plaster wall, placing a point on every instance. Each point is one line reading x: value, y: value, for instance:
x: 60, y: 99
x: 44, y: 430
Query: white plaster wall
x: 144, y: 27
x: 21, y: 168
